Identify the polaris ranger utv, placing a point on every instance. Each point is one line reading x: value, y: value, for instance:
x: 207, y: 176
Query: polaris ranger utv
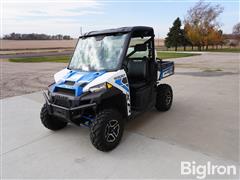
x: 112, y: 76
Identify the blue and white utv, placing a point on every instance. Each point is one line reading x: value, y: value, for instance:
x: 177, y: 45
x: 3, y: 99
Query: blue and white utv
x: 112, y: 76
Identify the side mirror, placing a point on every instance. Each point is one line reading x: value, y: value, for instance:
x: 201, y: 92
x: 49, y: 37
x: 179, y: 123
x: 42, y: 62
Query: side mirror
x: 140, y: 47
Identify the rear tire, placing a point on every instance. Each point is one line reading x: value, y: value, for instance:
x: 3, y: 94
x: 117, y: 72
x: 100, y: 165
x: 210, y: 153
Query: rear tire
x: 107, y: 130
x: 51, y: 122
x: 164, y: 97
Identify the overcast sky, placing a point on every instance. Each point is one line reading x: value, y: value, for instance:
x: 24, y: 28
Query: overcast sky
x: 67, y: 16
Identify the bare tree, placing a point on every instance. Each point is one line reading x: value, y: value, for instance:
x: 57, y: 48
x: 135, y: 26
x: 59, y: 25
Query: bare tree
x: 236, y: 29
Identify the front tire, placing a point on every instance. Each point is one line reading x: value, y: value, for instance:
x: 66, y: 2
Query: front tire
x: 51, y: 122
x: 107, y: 130
x: 164, y: 97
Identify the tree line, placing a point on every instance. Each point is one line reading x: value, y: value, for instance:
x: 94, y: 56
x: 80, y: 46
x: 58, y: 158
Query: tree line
x: 35, y: 36
x: 201, y: 28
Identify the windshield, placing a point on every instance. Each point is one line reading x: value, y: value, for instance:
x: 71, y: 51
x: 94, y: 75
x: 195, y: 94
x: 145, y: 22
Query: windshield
x: 98, y: 53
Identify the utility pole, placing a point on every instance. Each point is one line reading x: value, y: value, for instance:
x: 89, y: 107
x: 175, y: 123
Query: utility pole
x: 81, y: 33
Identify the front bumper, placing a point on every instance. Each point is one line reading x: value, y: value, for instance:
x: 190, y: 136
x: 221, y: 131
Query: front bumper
x: 67, y: 113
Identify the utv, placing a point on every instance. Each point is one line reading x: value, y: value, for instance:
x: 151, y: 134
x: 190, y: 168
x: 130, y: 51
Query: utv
x: 112, y: 76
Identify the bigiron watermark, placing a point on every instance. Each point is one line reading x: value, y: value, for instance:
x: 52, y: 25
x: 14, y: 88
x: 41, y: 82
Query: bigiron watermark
x: 201, y: 171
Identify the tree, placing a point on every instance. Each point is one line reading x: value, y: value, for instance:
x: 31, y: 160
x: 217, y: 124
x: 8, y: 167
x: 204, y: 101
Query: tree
x: 66, y: 37
x: 193, y: 34
x: 202, y: 19
x: 174, y: 36
x: 236, y: 29
x: 34, y: 36
x: 184, y: 39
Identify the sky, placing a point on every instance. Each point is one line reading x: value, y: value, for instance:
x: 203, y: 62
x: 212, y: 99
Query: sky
x: 69, y: 16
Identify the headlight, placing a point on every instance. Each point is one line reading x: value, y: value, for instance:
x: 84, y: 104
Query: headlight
x: 98, y: 87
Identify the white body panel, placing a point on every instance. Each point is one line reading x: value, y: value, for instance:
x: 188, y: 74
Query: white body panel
x: 58, y: 77
x: 99, y: 80
x: 115, y: 78
x: 112, y: 77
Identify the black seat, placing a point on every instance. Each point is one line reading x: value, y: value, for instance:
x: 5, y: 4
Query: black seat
x: 137, y: 72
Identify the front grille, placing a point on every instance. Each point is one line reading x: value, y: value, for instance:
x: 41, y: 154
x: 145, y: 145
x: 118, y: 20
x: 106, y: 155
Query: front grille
x: 65, y: 91
x: 61, y: 101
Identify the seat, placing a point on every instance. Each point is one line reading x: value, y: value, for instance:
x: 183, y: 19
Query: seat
x: 138, y: 73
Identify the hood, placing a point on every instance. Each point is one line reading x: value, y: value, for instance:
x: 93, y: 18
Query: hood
x: 73, y: 80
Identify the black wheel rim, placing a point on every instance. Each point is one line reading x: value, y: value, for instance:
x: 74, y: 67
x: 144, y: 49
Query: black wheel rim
x: 112, y: 131
x: 168, y: 97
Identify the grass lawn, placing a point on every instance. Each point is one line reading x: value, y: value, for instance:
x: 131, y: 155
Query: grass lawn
x: 169, y: 55
x: 65, y: 59
x: 235, y: 50
x: 59, y: 59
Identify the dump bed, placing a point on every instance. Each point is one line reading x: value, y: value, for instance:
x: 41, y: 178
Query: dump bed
x: 165, y: 69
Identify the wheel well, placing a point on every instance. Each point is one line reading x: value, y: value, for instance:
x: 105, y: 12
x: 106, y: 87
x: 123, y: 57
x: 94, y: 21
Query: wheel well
x: 117, y: 102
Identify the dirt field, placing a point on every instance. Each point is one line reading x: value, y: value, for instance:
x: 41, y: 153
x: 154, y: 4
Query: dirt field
x: 36, y: 44
x: 45, y: 44
x: 34, y: 51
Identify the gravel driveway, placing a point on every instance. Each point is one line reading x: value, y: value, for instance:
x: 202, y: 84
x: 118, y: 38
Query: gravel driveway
x: 23, y: 78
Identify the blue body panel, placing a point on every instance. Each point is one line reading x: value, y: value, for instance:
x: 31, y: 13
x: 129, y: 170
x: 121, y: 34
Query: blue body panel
x: 123, y: 85
x: 167, y: 69
x: 79, y: 79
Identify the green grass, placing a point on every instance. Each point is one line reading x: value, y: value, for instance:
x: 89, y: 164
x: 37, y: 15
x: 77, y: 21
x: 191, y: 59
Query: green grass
x: 65, y: 59
x: 169, y: 55
x: 235, y: 50
x: 211, y: 69
x: 59, y: 59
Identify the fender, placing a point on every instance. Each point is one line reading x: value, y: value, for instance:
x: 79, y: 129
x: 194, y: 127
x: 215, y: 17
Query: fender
x: 108, y: 98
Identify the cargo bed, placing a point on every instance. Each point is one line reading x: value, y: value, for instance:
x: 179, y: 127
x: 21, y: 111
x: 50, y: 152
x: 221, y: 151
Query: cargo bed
x: 165, y: 69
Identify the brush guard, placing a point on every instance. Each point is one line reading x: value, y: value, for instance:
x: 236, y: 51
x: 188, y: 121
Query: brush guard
x: 68, y: 114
